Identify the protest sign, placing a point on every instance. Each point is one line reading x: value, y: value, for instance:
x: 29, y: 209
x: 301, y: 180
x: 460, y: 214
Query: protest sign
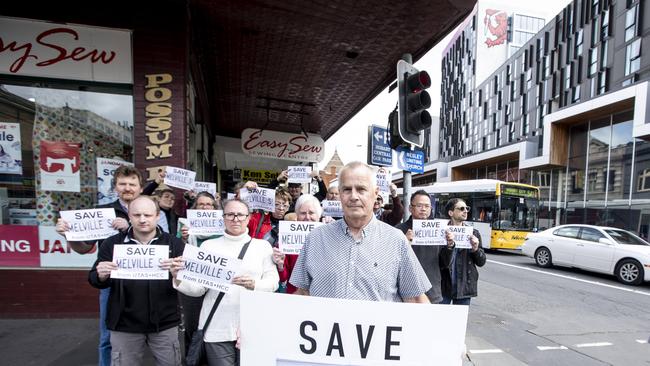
x: 299, y: 174
x: 259, y: 198
x: 90, y: 224
x: 179, y: 178
x: 461, y: 236
x: 209, y: 269
x: 292, y: 235
x: 230, y: 196
x: 140, y: 262
x: 308, y: 330
x: 205, y: 222
x: 59, y: 165
x: 332, y: 208
x: 383, y: 181
x: 205, y: 187
x: 429, y: 232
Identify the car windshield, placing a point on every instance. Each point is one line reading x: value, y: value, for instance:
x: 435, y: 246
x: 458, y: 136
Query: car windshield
x: 625, y: 237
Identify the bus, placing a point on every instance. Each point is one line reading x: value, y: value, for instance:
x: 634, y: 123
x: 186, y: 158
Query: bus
x: 504, y: 212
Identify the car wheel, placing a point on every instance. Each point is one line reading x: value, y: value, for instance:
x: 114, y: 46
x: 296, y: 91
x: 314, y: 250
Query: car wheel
x: 629, y: 272
x: 543, y: 257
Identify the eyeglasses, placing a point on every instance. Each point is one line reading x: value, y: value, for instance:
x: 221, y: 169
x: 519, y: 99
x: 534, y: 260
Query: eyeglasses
x: 231, y: 216
x: 281, y: 205
x: 464, y: 208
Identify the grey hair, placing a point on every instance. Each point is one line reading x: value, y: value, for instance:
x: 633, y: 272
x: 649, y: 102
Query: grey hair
x: 308, y: 198
x: 225, y: 203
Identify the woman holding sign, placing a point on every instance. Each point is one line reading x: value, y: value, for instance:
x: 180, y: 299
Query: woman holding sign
x: 256, y: 272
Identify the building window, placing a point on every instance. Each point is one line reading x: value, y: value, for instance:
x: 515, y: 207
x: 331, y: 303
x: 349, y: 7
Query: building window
x: 544, y: 179
x: 578, y: 46
x: 576, y: 94
x: 603, y: 54
x: 631, y: 23
x: 643, y: 184
x: 602, y: 82
x: 594, y: 8
x: 592, y: 181
x: 593, y: 62
x: 604, y: 29
x: 633, y: 57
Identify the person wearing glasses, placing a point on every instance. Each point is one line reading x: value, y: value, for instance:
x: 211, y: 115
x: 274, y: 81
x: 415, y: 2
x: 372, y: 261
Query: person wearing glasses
x: 460, y: 279
x: 393, y: 216
x: 431, y: 257
x: 257, y: 272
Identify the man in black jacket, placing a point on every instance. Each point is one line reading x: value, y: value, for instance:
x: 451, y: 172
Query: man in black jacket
x: 431, y: 257
x: 141, y: 312
x: 460, y: 279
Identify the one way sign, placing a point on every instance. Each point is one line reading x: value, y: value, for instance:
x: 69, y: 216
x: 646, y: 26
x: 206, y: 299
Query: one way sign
x: 379, y: 151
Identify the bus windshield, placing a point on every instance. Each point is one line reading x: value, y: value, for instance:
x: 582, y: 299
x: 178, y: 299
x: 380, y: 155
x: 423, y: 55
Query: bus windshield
x: 518, y: 212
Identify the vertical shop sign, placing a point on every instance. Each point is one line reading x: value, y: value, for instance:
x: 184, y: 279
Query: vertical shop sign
x: 11, y: 161
x: 158, y: 111
x: 59, y: 163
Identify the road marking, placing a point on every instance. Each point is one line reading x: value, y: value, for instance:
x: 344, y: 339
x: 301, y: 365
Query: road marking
x: 477, y: 351
x: 550, y: 348
x: 597, y: 344
x: 642, y: 341
x: 571, y: 278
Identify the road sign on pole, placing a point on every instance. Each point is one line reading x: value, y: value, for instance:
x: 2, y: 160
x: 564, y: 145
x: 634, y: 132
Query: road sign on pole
x: 379, y: 151
x: 410, y: 160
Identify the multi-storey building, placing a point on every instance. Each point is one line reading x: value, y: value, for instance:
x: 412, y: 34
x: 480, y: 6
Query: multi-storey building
x: 566, y: 112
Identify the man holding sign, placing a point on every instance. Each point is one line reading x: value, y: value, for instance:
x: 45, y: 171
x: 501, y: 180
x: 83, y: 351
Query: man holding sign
x: 359, y: 257
x: 431, y: 257
x: 460, y: 279
x: 141, y: 311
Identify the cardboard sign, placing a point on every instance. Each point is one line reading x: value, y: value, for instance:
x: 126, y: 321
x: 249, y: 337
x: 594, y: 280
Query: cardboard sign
x: 59, y: 166
x: 461, y: 236
x: 292, y: 235
x: 205, y: 187
x: 308, y: 330
x: 179, y: 178
x: 105, y: 171
x: 140, y: 262
x: 11, y: 157
x: 429, y: 232
x: 332, y: 208
x: 205, y: 222
x: 90, y: 224
x: 208, y: 269
x: 299, y: 174
x: 259, y: 198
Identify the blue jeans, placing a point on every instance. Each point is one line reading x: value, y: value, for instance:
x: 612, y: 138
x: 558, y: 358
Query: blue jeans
x: 448, y: 300
x: 104, y: 334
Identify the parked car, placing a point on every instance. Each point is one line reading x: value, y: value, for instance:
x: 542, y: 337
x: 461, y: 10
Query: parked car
x: 593, y: 248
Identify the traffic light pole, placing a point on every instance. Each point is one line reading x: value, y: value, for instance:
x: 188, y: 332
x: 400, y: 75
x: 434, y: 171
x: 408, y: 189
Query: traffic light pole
x: 406, y: 185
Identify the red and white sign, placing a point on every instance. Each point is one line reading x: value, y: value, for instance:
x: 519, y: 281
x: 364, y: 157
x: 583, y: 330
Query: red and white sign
x: 34, y: 48
x: 59, y: 163
x: 55, y: 251
x: 281, y: 145
x: 19, y: 246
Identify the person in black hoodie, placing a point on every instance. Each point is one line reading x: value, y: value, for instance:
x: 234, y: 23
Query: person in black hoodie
x: 432, y: 258
x: 140, y: 312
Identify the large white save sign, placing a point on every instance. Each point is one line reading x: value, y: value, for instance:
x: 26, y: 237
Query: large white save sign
x: 292, y: 235
x: 319, y: 331
x: 205, y: 222
x: 179, y: 178
x: 91, y: 224
x: 209, y: 269
x: 299, y: 174
x: 140, y: 262
x: 259, y: 198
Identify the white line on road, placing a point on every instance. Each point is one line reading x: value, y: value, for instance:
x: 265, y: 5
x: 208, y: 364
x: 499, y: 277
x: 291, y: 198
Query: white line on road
x: 550, y: 348
x: 571, y: 278
x: 597, y: 344
x: 477, y: 351
x: 642, y: 341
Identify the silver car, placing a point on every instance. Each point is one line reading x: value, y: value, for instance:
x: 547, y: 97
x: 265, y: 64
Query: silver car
x: 593, y: 248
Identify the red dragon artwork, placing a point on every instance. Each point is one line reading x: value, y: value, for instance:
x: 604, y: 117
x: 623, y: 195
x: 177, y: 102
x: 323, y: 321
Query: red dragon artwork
x: 496, y: 21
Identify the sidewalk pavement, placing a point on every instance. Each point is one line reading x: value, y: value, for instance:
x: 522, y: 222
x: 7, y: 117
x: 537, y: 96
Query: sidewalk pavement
x: 56, y: 342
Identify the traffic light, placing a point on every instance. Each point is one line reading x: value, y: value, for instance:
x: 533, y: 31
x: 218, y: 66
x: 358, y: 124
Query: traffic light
x: 413, y: 101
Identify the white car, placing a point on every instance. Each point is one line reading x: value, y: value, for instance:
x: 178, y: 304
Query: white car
x: 593, y: 248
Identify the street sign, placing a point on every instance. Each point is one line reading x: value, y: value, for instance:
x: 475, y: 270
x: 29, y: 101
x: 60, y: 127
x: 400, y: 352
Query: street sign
x: 379, y: 151
x: 410, y: 160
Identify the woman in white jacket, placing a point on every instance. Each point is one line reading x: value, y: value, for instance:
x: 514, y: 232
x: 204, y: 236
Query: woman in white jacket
x: 258, y: 272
